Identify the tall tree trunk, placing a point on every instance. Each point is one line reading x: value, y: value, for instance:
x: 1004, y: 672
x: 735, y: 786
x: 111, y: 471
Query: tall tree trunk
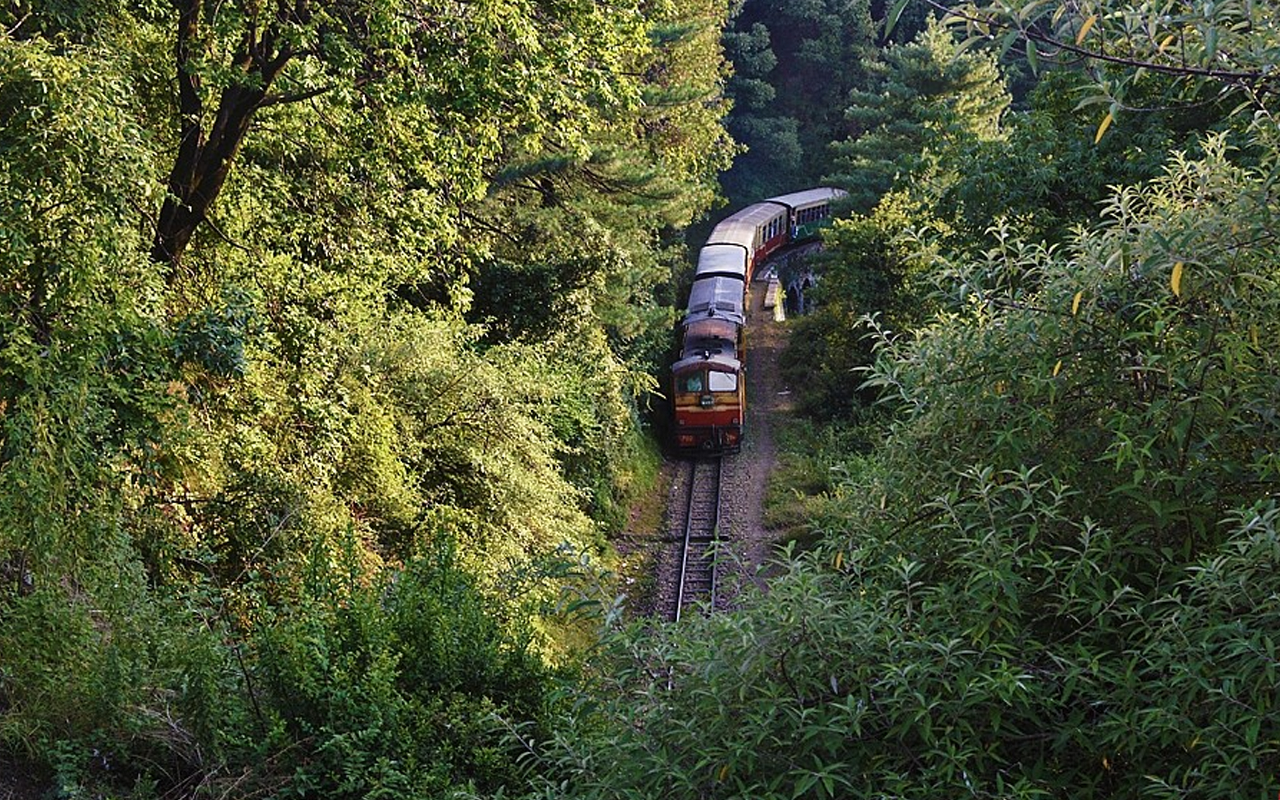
x: 200, y: 172
x: 205, y: 157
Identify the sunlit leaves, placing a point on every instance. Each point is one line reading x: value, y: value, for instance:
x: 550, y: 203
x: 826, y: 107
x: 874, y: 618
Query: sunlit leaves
x: 301, y: 410
x: 1228, y: 44
x: 1103, y: 126
x: 1086, y: 27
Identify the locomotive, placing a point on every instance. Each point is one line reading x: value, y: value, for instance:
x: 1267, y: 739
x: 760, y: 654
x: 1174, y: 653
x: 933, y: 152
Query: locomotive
x: 708, y: 387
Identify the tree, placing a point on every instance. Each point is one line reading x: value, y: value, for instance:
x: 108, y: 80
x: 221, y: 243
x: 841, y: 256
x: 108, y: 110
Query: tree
x: 219, y: 476
x: 795, y: 63
x: 1226, y: 47
x: 233, y: 62
x: 929, y: 97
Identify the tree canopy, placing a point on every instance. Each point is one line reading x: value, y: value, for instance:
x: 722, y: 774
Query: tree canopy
x: 292, y: 476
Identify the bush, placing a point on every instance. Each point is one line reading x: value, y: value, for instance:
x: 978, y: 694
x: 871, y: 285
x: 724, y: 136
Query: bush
x: 396, y: 688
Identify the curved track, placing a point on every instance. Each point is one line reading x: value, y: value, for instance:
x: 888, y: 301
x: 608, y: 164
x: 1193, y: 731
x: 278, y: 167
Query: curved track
x: 697, y: 581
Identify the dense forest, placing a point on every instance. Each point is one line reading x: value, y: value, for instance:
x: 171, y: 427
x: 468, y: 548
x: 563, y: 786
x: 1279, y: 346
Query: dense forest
x: 329, y: 339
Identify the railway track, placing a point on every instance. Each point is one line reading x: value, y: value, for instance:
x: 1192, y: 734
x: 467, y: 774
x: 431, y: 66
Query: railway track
x: 697, y: 579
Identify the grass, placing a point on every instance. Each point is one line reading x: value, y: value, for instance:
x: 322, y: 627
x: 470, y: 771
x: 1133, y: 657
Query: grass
x: 645, y: 488
x: 811, y: 457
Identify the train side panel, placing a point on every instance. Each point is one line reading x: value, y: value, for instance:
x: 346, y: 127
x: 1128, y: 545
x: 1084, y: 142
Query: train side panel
x: 810, y: 210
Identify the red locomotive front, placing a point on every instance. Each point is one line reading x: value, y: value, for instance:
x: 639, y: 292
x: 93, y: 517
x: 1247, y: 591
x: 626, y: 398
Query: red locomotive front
x: 710, y: 404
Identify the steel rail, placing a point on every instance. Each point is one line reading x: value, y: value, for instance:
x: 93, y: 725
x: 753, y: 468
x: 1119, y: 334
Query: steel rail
x: 706, y: 538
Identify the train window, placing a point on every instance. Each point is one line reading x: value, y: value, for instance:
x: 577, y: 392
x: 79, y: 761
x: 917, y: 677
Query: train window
x: 691, y: 382
x: 723, y: 381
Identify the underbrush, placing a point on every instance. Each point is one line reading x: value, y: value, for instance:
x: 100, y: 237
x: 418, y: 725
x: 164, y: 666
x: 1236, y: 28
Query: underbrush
x: 814, y: 459
x: 644, y: 491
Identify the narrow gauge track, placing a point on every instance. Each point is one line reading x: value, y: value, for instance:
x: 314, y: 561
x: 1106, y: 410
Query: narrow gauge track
x: 697, y: 581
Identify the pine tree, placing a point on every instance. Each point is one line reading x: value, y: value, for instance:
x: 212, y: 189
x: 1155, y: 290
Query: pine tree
x: 928, y: 95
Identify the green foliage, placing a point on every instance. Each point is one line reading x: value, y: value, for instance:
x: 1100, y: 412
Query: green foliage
x: 1123, y: 46
x: 1047, y: 174
x: 945, y: 168
x: 794, y: 65
x: 393, y: 690
x: 925, y: 97
x: 1137, y: 392
x: 912, y: 167
x: 236, y: 434
x: 870, y: 266
x: 83, y: 359
x: 813, y: 460
x: 214, y: 338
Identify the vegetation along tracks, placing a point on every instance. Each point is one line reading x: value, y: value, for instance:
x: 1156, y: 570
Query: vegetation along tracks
x: 697, y: 578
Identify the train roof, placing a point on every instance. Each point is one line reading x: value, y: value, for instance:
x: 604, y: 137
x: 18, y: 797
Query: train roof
x: 722, y: 259
x: 705, y: 338
x: 716, y: 296
x: 740, y: 228
x: 716, y: 361
x: 716, y: 334
x: 809, y: 197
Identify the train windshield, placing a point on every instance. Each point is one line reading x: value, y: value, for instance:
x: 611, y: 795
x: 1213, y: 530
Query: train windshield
x: 723, y: 381
x: 710, y: 381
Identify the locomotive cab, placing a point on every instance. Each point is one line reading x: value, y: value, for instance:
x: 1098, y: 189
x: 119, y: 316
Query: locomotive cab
x: 709, y: 401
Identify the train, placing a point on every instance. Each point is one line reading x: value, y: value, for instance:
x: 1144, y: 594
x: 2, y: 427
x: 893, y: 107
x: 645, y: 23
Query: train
x: 708, y: 387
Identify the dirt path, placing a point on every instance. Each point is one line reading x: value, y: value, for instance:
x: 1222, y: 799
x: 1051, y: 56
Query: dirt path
x: 746, y: 475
